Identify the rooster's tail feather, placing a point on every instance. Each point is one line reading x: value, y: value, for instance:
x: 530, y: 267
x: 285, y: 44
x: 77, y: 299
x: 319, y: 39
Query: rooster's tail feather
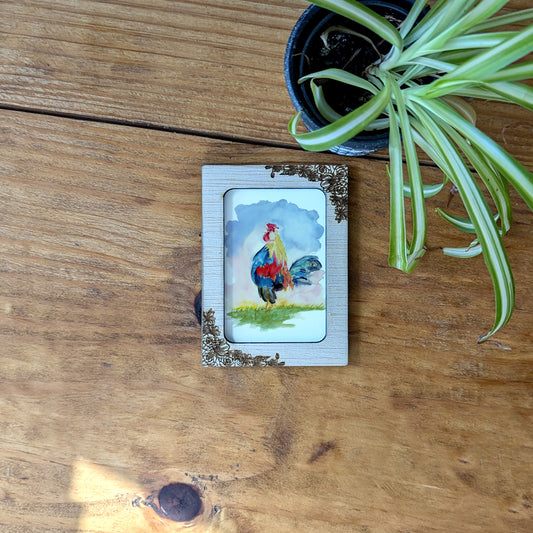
x: 302, y: 267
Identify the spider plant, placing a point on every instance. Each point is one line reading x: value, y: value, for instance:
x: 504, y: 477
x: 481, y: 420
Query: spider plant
x: 456, y: 50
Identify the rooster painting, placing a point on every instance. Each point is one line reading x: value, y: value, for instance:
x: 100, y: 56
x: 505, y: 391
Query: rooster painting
x: 275, y: 275
x: 270, y: 271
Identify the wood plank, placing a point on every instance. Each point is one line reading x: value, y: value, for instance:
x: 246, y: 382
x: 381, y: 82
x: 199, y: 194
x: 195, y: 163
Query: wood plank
x: 207, y: 67
x: 103, y: 398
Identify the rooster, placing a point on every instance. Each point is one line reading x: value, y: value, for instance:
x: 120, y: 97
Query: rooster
x: 270, y: 271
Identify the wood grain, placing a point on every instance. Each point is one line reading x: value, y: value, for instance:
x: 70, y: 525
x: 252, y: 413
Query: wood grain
x: 103, y: 398
x: 213, y: 68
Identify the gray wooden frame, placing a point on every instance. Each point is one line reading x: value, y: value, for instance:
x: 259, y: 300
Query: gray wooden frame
x: 216, y: 349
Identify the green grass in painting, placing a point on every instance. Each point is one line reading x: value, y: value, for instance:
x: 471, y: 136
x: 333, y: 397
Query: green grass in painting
x: 273, y: 317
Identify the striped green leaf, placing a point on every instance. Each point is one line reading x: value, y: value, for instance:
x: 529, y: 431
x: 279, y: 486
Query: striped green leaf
x: 363, y: 15
x: 523, y: 15
x: 463, y: 224
x: 338, y: 74
x: 322, y: 106
x: 342, y: 129
x: 456, y: 18
x: 416, y: 249
x: 515, y: 72
x: 498, y: 187
x: 427, y: 190
x: 464, y: 253
x: 517, y: 175
x: 481, y: 217
x: 487, y: 62
x: 397, y: 232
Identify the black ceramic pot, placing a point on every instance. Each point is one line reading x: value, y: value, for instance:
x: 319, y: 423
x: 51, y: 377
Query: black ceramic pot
x: 302, y: 45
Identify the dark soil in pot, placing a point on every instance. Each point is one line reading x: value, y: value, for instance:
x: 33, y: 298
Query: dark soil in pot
x: 306, y: 53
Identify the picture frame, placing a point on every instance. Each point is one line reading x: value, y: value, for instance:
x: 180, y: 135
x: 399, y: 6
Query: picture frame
x: 274, y: 265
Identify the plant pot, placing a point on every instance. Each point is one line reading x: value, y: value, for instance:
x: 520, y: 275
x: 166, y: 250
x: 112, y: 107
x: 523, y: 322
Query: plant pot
x: 303, y: 56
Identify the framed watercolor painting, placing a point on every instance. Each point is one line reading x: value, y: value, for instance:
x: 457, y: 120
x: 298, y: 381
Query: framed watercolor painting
x: 274, y: 265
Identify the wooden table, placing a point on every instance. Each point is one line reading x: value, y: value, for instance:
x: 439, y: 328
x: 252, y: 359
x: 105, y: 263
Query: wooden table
x: 108, y: 110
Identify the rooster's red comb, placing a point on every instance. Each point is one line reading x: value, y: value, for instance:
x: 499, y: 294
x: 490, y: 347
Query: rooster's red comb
x: 271, y: 227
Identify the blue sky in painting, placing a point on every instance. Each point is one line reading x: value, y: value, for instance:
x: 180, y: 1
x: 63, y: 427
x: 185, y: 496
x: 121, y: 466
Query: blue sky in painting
x: 298, y: 227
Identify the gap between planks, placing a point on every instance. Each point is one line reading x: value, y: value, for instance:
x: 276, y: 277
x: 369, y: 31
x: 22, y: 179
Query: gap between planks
x: 181, y: 131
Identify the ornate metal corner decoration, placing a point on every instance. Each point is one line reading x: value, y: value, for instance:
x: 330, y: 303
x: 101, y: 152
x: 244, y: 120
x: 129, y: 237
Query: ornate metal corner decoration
x: 216, y: 350
x: 332, y: 178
